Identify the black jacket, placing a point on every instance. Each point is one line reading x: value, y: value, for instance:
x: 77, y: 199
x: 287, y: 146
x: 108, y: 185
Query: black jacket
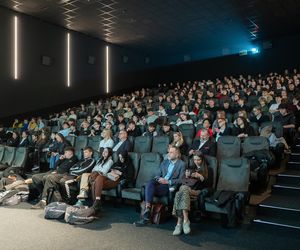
x: 83, y: 166
x: 63, y: 166
x: 209, y: 147
x: 125, y: 147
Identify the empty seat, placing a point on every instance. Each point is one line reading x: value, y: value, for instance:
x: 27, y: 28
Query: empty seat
x: 55, y: 129
x: 187, y: 130
x: 160, y: 144
x: 228, y: 147
x: 172, y: 118
x: 20, y: 158
x: 212, y: 170
x: 252, y: 143
x: 149, y: 167
x: 142, y: 144
x: 8, y: 157
x: 71, y: 139
x: 255, y: 127
x: 94, y: 142
x: 2, y: 149
x: 80, y: 143
x: 234, y: 176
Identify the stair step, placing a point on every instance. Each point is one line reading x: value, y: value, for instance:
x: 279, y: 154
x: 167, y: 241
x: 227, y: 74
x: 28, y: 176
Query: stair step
x: 294, y: 157
x: 275, y: 212
x: 289, y: 177
x: 296, y: 148
x: 284, y: 203
x: 278, y: 222
x: 286, y: 190
x: 293, y: 165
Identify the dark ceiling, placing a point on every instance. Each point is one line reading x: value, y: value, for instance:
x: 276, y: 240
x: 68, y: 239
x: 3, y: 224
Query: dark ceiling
x: 170, y: 26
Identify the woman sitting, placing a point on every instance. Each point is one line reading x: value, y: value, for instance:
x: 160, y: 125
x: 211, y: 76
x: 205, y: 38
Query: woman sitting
x: 243, y: 129
x: 222, y: 129
x: 195, y: 180
x: 178, y: 141
x: 98, y: 180
x: 107, y: 141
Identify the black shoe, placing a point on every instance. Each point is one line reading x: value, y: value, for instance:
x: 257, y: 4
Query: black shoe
x: 146, y: 215
x: 97, y: 205
x: 142, y: 223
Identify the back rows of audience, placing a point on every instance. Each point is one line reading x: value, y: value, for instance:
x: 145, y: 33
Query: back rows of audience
x: 223, y: 107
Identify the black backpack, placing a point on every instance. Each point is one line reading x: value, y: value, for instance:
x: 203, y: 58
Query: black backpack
x: 56, y: 210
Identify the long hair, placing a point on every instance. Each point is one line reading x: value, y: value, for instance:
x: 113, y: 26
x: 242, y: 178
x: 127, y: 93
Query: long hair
x: 102, y: 160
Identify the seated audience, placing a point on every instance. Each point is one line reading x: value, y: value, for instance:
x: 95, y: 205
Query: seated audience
x: 205, y: 144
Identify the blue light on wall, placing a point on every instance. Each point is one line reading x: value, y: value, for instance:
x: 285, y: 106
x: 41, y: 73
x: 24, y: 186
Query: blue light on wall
x: 255, y: 50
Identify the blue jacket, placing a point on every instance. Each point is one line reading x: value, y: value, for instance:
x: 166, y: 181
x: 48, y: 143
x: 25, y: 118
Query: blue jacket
x: 177, y: 173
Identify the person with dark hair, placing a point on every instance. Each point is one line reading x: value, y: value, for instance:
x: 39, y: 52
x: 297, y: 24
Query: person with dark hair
x: 222, y: 129
x: 96, y: 129
x: 51, y: 179
x: 24, y: 142
x: 151, y: 130
x: 258, y: 116
x: 3, y: 135
x: 170, y: 174
x: 84, y: 166
x: 132, y: 130
x: 195, y: 179
x: 14, y: 140
x: 243, y: 129
x: 206, y: 124
x: 57, y: 149
x: 97, y: 180
x: 167, y: 130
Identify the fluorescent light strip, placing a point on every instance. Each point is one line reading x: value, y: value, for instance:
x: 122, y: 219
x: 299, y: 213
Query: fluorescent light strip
x: 107, y: 69
x: 68, y: 60
x: 16, y: 48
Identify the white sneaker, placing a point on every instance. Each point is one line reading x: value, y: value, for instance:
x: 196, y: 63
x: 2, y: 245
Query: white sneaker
x: 178, y: 229
x: 186, y: 227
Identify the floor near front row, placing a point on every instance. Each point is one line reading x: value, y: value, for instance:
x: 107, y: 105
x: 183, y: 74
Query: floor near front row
x: 23, y: 228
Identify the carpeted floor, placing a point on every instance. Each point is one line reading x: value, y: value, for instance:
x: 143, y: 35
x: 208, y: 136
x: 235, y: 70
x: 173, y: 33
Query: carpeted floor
x: 23, y: 228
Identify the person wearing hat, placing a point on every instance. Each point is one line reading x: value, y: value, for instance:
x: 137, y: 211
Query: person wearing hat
x: 287, y: 119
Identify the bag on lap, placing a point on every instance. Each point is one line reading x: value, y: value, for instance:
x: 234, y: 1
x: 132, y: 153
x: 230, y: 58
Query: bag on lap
x: 79, y: 215
x: 56, y: 210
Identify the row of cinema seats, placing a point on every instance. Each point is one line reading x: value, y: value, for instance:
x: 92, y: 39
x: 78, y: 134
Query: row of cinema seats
x: 13, y: 157
x: 231, y: 174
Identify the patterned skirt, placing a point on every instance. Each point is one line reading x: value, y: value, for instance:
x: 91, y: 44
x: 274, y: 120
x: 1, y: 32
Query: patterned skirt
x: 183, y: 199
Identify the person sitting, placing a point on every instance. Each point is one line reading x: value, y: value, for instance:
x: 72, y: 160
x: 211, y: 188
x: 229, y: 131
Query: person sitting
x: 243, y: 129
x: 184, y: 118
x: 84, y: 166
x: 124, y: 144
x: 132, y: 130
x: 96, y: 179
x: 206, y: 144
x: 3, y: 134
x: 178, y: 141
x: 96, y: 129
x: 195, y: 180
x: 85, y: 128
x: 107, y: 141
x: 43, y: 181
x: 24, y: 142
x: 171, y: 173
x: 151, y: 117
x: 14, y: 140
x: 288, y: 121
x: 66, y: 129
x: 167, y: 130
x: 222, y: 129
x: 259, y: 117
x: 206, y: 125
x: 151, y: 130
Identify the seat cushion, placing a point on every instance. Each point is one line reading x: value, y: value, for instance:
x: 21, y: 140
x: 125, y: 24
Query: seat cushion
x: 132, y: 193
x: 110, y: 192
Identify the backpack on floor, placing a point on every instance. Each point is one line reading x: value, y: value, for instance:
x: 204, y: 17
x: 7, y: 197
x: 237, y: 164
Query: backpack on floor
x: 79, y: 215
x: 6, y: 196
x: 56, y: 210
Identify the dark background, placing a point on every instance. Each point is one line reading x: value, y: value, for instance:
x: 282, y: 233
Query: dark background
x: 44, y: 87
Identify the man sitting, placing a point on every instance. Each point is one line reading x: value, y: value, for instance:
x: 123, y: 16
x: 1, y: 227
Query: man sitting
x: 171, y: 173
x: 84, y: 166
x: 124, y: 145
x: 42, y: 182
x: 259, y: 117
x: 205, y: 144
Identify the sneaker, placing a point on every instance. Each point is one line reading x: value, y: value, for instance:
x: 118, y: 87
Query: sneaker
x: 40, y: 205
x: 79, y: 203
x: 97, y: 205
x: 141, y: 223
x: 82, y: 194
x: 186, y: 227
x: 146, y: 215
x: 178, y: 229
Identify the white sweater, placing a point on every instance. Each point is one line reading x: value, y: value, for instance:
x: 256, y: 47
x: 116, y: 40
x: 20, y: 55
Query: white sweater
x: 103, y: 168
